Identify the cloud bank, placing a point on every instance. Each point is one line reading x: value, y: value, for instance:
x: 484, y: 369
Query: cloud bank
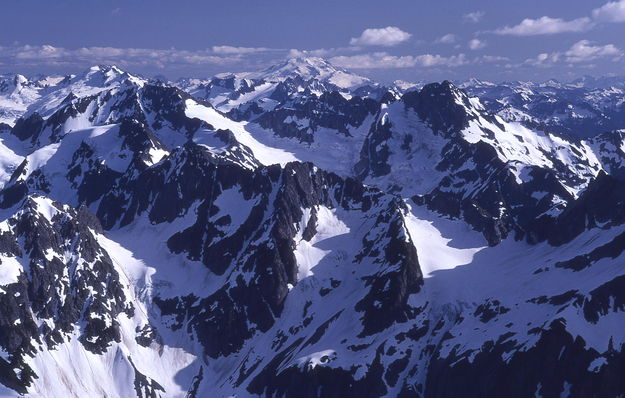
x: 546, y: 26
x: 612, y: 12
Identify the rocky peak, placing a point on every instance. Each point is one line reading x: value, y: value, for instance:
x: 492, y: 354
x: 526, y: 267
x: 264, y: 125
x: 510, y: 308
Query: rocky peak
x: 104, y: 76
x: 445, y: 107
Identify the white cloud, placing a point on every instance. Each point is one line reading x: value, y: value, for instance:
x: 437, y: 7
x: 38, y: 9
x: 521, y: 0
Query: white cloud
x: 476, y: 44
x: 238, y: 50
x: 585, y: 51
x: 379, y: 60
x: 543, y: 60
x: 428, y: 60
x: 51, y: 55
x: 493, y: 59
x: 474, y: 17
x: 447, y: 39
x: 613, y: 11
x: 226, y: 56
x: 546, y: 26
x: 38, y: 52
x: 389, y: 36
x: 383, y: 60
x: 610, y: 12
x: 321, y: 52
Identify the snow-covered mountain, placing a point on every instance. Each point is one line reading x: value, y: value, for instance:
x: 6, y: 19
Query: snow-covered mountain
x: 302, y: 231
x: 18, y: 92
x: 245, y: 96
x: 41, y: 94
x: 583, y: 108
x: 310, y: 72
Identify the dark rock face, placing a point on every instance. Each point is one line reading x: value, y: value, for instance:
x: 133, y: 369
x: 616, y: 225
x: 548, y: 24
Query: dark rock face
x: 152, y: 106
x: 5, y: 128
x: 87, y: 172
x: 469, y: 178
x: 168, y: 104
x: 12, y: 194
x: 386, y: 301
x: 318, y: 381
x: 26, y: 128
x: 560, y: 365
x: 263, y: 243
x: 144, y: 386
x: 577, y: 110
x: 330, y: 110
x: 612, y: 249
x: 600, y: 205
x: 70, y: 279
x: 313, y: 283
x: 95, y: 181
x: 375, y: 152
x: 230, y: 85
x: 501, y: 206
x: 442, y: 105
x: 606, y: 298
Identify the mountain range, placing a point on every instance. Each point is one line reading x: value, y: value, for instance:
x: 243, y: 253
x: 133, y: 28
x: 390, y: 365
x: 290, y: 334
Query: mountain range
x: 303, y: 231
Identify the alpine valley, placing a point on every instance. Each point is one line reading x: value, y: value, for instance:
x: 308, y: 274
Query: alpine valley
x: 303, y: 231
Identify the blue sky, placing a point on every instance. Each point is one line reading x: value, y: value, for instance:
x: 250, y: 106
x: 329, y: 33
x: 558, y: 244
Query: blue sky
x: 396, y: 39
